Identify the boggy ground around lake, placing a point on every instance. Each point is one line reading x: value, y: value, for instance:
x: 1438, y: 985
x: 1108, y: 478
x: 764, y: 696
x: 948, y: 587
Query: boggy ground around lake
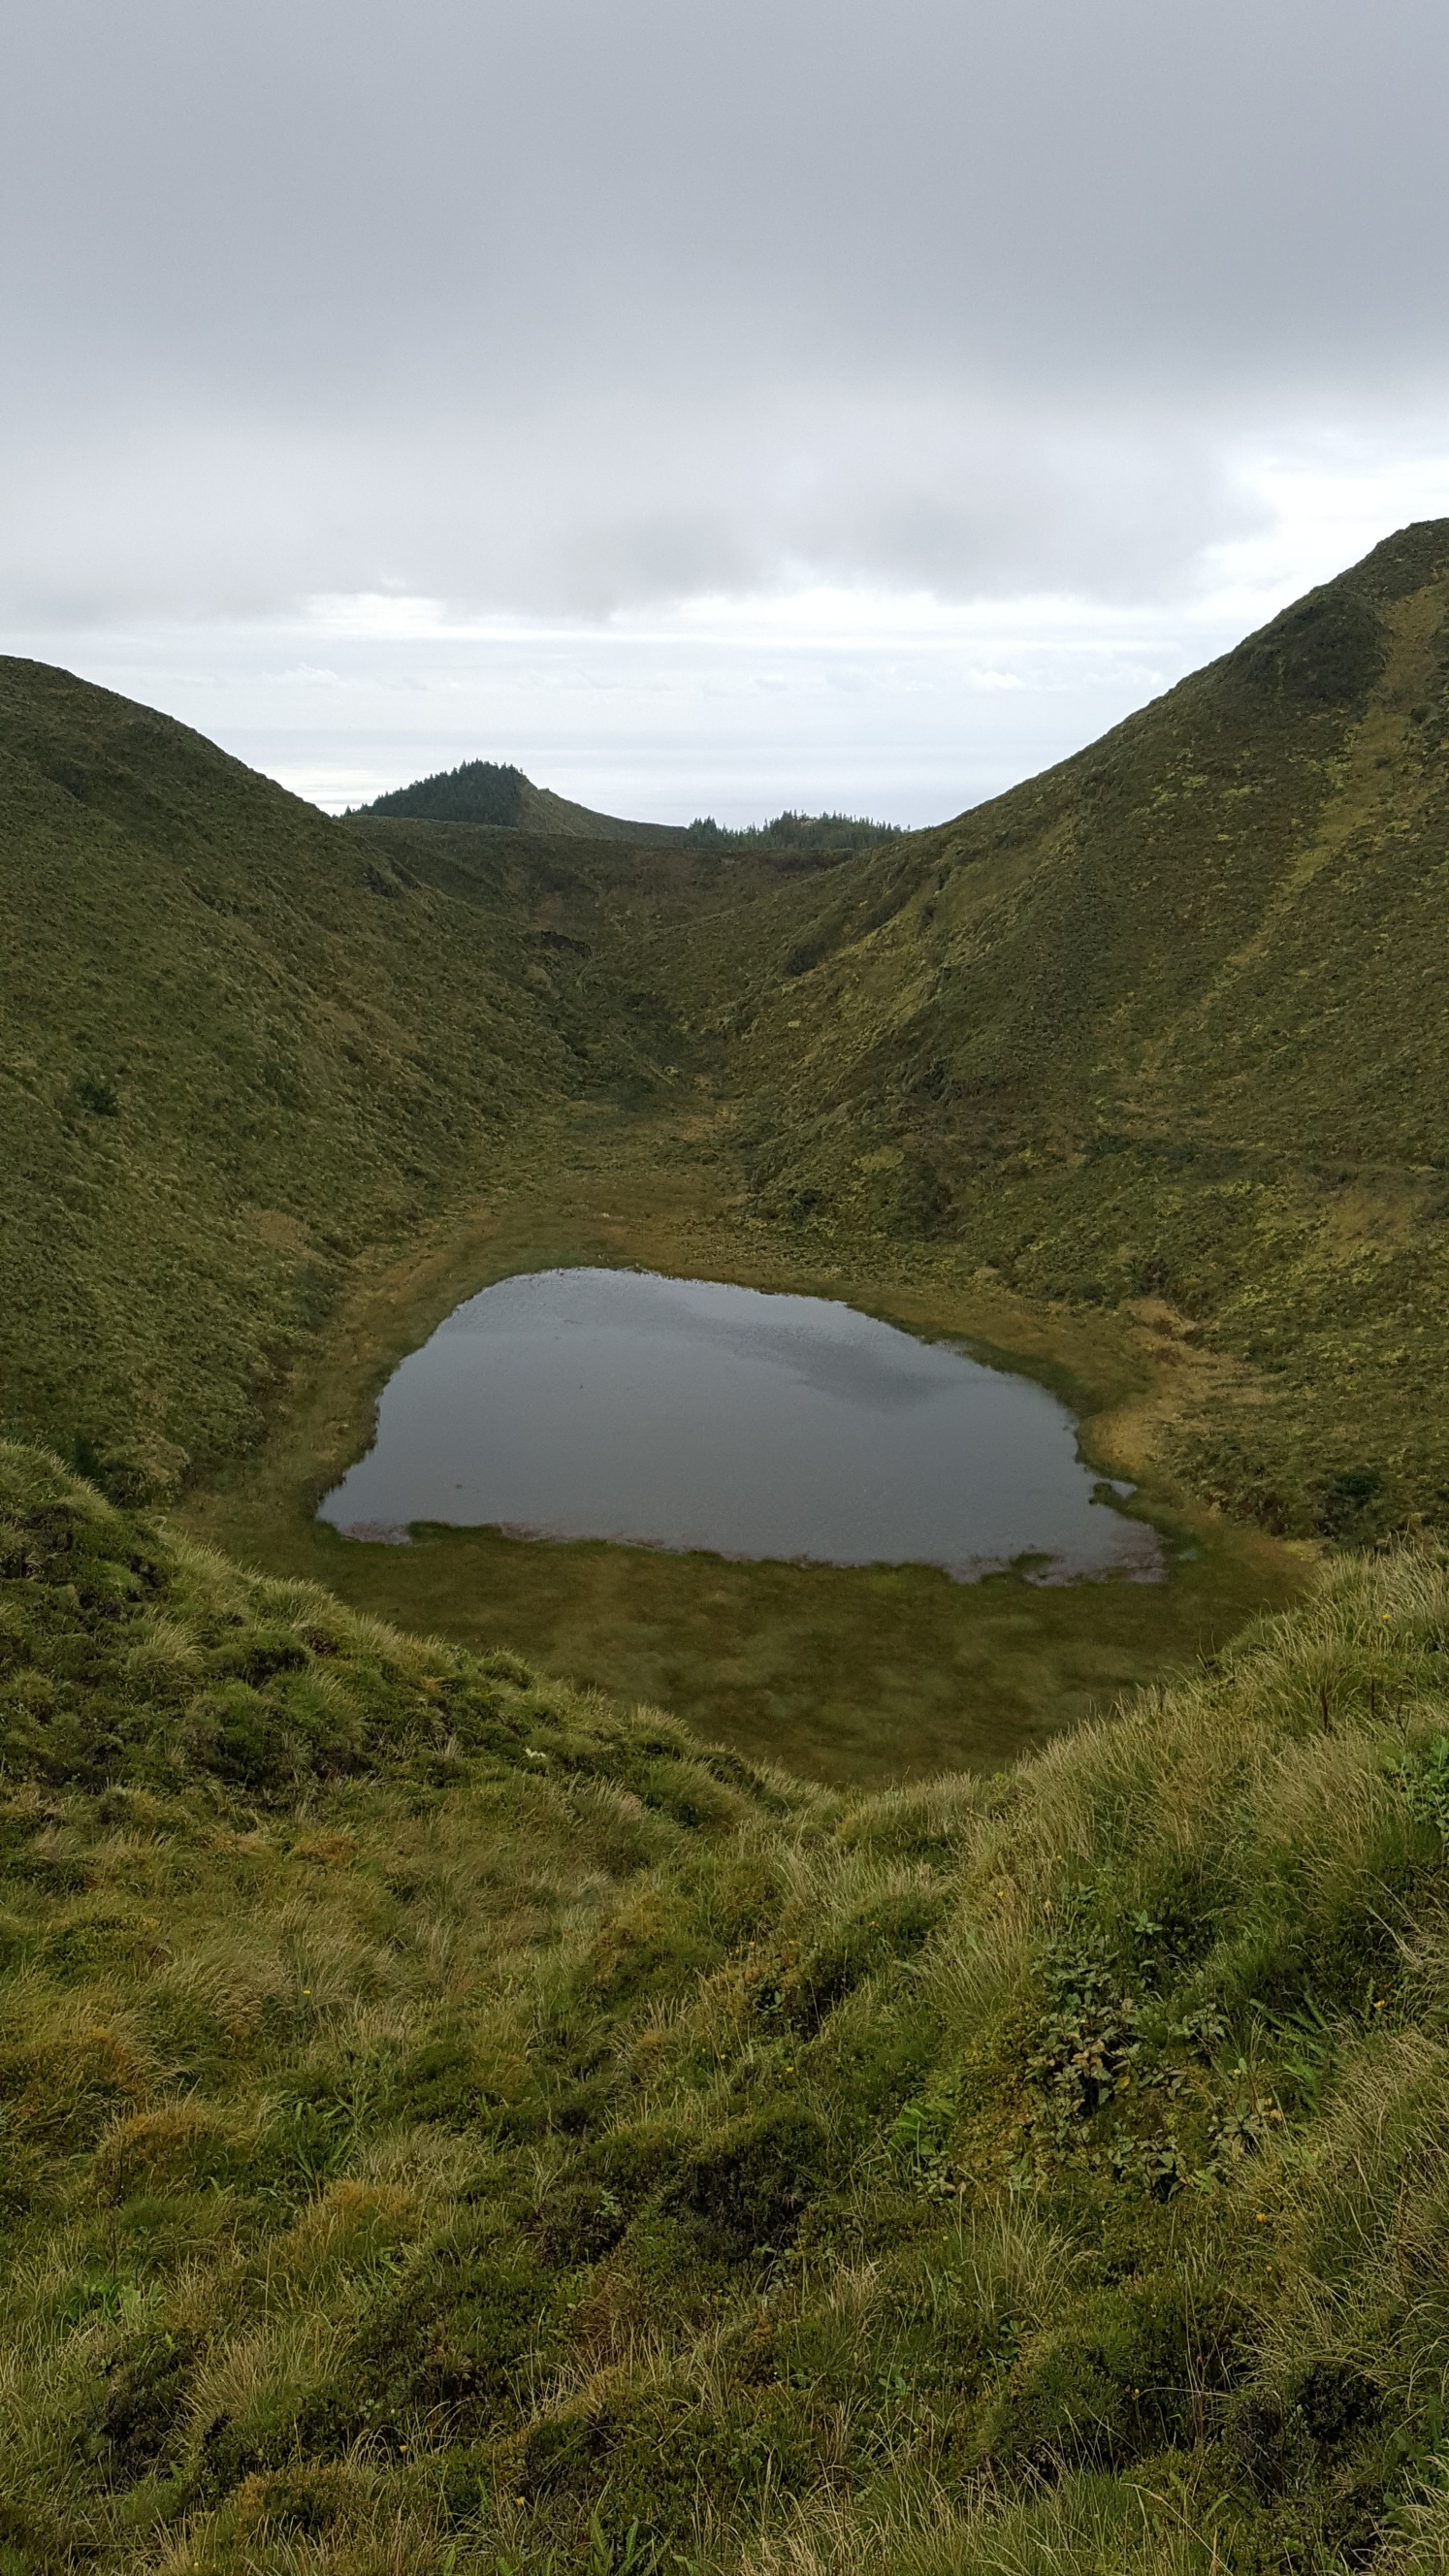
x: 843, y: 1673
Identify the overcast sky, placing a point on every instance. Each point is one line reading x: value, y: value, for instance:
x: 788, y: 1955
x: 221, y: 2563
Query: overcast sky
x: 707, y: 407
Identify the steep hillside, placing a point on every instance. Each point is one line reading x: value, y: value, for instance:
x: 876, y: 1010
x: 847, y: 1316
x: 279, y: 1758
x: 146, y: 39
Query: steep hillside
x: 238, y: 1044
x: 450, y: 2124
x: 1167, y: 1022
x: 451, y: 2127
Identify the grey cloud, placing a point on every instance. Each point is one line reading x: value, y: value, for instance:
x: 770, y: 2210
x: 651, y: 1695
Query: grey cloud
x: 582, y: 507
x: 568, y: 306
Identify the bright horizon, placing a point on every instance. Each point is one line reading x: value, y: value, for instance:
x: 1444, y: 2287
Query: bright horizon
x: 856, y: 409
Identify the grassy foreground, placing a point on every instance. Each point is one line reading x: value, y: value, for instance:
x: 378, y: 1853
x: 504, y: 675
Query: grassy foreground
x: 450, y: 2124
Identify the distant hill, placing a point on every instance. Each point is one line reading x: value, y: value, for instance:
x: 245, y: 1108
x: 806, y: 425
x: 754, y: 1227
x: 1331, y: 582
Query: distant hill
x: 495, y: 793
x: 792, y: 831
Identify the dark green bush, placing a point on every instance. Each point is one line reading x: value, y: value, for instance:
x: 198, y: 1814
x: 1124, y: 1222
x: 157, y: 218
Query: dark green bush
x: 1129, y: 2372
x: 137, y: 2423
x: 450, y: 2342
x: 745, y: 2195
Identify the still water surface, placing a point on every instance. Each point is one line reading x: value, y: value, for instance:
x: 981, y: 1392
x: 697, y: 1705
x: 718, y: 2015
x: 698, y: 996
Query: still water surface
x: 682, y: 1413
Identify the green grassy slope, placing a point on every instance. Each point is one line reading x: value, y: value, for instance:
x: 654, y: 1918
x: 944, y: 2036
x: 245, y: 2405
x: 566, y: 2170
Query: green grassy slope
x: 241, y: 1045
x: 238, y: 1044
x: 1168, y: 1021
x: 448, y: 2126
x: 1164, y: 1023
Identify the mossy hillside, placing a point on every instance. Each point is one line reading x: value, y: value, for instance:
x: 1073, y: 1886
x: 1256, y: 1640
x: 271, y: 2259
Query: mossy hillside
x: 600, y: 924
x: 240, y: 1047
x: 450, y: 2124
x: 1164, y: 1022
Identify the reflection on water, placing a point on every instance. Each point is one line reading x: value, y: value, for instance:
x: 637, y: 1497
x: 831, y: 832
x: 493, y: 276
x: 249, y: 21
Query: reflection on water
x: 685, y: 1414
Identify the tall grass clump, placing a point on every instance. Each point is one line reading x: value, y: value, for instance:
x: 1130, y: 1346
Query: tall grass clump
x: 452, y: 2123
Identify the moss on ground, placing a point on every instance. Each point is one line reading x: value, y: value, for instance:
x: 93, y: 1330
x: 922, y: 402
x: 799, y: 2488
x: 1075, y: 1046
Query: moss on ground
x: 451, y: 2123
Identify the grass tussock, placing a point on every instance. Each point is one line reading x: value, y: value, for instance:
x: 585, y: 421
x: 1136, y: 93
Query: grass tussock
x: 451, y: 2124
